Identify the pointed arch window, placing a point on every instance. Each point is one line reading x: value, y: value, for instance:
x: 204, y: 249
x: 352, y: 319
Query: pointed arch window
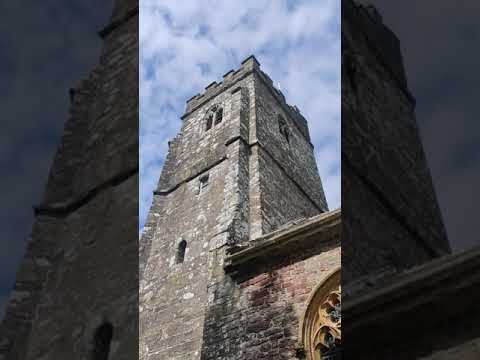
x: 181, y: 249
x: 218, y: 116
x: 214, y: 117
x: 202, y: 184
x: 209, y: 122
x: 101, y: 341
x: 321, y: 329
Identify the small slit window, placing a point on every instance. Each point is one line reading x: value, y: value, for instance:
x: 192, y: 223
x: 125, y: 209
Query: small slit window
x: 218, y: 116
x: 182, y: 247
x: 283, y: 128
x: 101, y: 341
x: 202, y: 184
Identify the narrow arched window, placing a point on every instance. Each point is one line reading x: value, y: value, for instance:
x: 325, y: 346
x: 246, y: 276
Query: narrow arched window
x: 283, y: 128
x: 182, y: 247
x: 209, y: 123
x: 202, y: 184
x: 101, y: 341
x: 218, y: 116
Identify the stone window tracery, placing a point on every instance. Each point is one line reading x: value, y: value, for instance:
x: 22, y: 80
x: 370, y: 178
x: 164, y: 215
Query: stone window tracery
x: 209, y: 123
x: 321, y: 331
x: 218, y: 116
x: 214, y: 117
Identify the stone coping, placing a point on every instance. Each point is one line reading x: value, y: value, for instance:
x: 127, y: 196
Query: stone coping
x: 323, y: 226
x: 414, y: 290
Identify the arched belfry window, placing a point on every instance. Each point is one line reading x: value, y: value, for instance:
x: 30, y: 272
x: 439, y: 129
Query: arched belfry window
x: 214, y: 117
x: 209, y: 122
x: 101, y: 341
x: 182, y: 247
x: 218, y: 116
x: 322, y: 324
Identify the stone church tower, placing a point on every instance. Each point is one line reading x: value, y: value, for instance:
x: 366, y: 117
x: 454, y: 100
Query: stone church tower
x: 239, y: 231
x: 404, y: 296
x: 391, y: 217
x: 75, y: 295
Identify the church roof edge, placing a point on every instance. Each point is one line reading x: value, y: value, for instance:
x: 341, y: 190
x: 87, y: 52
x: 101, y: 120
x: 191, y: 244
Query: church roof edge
x: 320, y: 228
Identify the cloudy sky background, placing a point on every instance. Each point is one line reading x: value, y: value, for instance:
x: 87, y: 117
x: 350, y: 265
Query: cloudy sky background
x: 185, y: 45
x: 47, y: 47
x: 440, y: 43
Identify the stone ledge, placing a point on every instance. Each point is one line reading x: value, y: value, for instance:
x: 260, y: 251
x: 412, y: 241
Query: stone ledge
x: 436, y: 291
x: 318, y: 228
x: 64, y: 209
x: 412, y: 282
x: 164, y: 192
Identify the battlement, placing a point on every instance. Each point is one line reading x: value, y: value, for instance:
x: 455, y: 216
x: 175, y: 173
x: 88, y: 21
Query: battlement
x: 248, y: 66
x: 383, y: 41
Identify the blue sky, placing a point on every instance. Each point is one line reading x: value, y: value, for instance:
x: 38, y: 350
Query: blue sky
x: 185, y: 45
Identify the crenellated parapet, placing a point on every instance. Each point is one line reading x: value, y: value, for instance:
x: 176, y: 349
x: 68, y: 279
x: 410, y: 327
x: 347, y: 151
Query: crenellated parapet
x: 248, y: 66
x: 382, y: 40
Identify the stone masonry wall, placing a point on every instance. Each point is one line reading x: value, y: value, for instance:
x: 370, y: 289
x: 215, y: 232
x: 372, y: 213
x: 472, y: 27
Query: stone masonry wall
x: 282, y: 199
x: 176, y: 294
x: 195, y: 149
x: 93, y: 149
x: 372, y: 255
x: 439, y: 339
x: 290, y: 185
x: 85, y: 231
x: 295, y: 156
x: 382, y: 150
x: 173, y: 296
x: 256, y: 312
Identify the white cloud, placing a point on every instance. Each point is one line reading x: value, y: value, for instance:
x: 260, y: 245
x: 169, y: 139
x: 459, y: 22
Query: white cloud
x: 185, y: 45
